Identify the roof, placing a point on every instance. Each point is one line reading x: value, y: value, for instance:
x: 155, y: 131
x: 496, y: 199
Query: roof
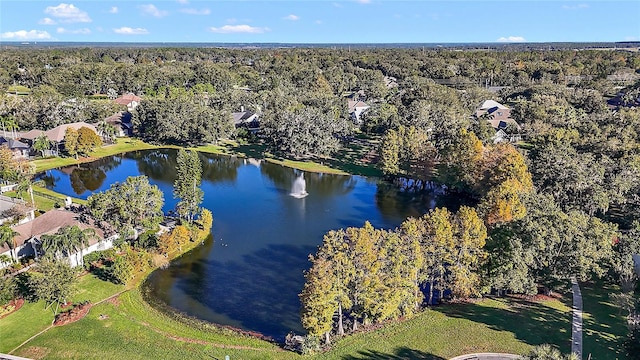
x: 49, y: 223
x: 126, y: 99
x: 57, y: 133
x: 356, y: 104
x: 242, y: 117
x: 488, y: 104
x: 13, y: 144
x: 502, y: 123
x: 31, y: 134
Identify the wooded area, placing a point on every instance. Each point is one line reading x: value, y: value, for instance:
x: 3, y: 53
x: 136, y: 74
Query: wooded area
x: 563, y: 200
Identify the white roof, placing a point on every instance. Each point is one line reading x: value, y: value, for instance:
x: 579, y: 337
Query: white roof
x: 488, y: 104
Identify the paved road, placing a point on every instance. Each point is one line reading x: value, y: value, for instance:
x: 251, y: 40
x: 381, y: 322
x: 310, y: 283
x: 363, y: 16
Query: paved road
x: 576, y: 327
x: 487, y: 356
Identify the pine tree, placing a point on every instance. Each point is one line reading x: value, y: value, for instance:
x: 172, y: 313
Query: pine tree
x: 186, y: 186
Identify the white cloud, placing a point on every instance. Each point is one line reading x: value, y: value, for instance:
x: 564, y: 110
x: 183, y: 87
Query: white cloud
x: 291, y: 17
x: 631, y: 38
x: 338, y: 5
x: 113, y: 10
x: 25, y: 35
x: 319, y: 22
x: 232, y: 29
x: 130, y: 31
x: 364, y: 1
x: 83, y: 31
x: 152, y: 10
x: 511, y: 39
x: 183, y: 2
x: 47, y: 21
x: 191, y: 11
x: 575, y: 7
x: 68, y: 13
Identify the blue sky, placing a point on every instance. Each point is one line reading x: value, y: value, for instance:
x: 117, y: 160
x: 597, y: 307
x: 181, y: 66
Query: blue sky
x: 330, y: 21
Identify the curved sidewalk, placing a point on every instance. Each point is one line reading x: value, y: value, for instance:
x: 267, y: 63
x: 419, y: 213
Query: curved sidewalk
x: 487, y: 356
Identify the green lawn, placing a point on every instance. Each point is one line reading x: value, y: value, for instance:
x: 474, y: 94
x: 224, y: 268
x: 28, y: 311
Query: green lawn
x: 121, y: 145
x: 306, y: 166
x: 129, y: 328
x: 23, y: 324
x: 44, y: 198
x: 604, y: 326
x: 33, y: 317
x: 93, y: 289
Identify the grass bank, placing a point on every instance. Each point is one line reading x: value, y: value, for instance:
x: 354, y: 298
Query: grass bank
x: 357, y: 158
x: 604, y: 325
x: 127, y: 327
x: 493, y: 325
x: 121, y: 145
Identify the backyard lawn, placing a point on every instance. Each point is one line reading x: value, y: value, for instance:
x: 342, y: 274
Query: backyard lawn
x: 127, y: 327
x: 34, y: 317
x: 604, y: 325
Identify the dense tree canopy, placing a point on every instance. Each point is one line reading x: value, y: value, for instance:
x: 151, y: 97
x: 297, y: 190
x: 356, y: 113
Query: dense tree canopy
x: 129, y: 206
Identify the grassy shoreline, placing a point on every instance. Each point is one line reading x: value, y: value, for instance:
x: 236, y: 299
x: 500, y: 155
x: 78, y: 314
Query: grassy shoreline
x: 229, y: 148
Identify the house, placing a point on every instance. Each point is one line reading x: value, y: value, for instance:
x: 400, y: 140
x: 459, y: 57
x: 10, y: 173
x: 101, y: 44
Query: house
x: 499, y: 116
x: 630, y: 99
x: 11, y: 209
x: 356, y: 108
x: 390, y: 82
x: 130, y: 100
x: 246, y: 119
x: 55, y: 135
x: 122, y: 123
x: 28, y: 242
x: 20, y: 150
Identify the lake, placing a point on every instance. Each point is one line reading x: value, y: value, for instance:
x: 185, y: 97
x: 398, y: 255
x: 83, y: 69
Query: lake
x: 248, y: 275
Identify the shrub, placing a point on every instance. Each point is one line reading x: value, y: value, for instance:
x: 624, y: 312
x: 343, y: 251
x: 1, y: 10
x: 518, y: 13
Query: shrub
x: 310, y: 345
x: 104, y: 256
x: 146, y: 240
x: 122, y: 270
x: 8, y: 290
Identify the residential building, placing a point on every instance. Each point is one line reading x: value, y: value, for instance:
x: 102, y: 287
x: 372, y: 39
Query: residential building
x: 130, y: 100
x: 55, y: 135
x: 28, y: 241
x: 499, y: 116
x: 19, y: 149
x: 122, y: 123
x: 356, y: 108
x: 246, y: 119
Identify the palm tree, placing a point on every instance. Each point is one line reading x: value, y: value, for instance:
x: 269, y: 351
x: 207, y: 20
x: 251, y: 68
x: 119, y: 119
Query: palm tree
x: 78, y: 240
x: 41, y: 144
x: 26, y: 186
x: 547, y: 352
x: 67, y: 240
x: 54, y: 245
x: 9, y: 123
x: 7, y: 236
x: 5, y: 259
x: 106, y: 131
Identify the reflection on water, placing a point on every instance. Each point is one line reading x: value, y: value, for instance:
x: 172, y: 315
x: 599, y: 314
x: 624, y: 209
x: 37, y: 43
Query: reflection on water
x: 250, y: 272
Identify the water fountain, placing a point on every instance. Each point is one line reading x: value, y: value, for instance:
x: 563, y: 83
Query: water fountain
x: 299, y: 188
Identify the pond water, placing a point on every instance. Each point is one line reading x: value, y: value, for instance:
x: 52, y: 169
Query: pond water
x: 248, y: 275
